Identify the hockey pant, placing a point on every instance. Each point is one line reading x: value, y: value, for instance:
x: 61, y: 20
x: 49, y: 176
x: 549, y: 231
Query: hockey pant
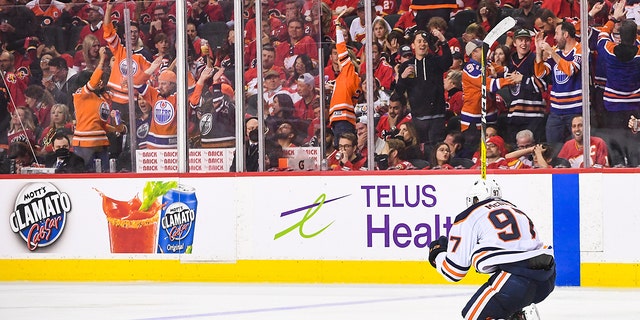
x: 509, y: 290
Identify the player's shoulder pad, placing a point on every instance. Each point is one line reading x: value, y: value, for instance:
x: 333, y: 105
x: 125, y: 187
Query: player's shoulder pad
x: 465, y: 214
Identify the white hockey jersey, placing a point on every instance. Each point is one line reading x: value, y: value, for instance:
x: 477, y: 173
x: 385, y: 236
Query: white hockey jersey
x: 489, y: 233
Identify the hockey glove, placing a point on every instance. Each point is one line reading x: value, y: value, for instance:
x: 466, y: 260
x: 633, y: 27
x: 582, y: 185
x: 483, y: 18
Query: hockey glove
x: 436, y: 247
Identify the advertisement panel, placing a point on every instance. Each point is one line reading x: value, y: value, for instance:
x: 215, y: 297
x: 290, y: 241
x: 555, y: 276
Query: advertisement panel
x: 118, y: 218
x: 299, y: 218
x: 371, y: 217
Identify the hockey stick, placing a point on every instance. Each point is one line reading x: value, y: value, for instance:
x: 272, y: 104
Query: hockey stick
x: 505, y: 25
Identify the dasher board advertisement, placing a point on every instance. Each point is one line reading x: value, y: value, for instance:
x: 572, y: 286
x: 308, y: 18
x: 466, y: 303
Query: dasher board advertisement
x: 379, y: 217
x: 382, y: 217
x: 118, y: 218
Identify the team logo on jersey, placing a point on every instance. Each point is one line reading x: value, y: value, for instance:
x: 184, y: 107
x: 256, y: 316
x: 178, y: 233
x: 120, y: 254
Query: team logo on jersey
x: 104, y: 111
x: 142, y: 131
x: 124, y: 68
x: 40, y: 214
x: 561, y: 77
x: 47, y: 21
x: 206, y: 123
x: 76, y: 21
x: 163, y: 112
x: 22, y: 72
x: 11, y: 78
x: 145, y: 18
x: 514, y: 89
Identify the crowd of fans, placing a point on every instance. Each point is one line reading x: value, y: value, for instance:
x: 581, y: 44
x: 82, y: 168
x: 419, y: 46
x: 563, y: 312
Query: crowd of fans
x: 66, y: 78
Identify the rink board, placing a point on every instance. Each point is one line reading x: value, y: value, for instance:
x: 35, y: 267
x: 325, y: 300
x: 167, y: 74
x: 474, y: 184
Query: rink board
x: 355, y: 228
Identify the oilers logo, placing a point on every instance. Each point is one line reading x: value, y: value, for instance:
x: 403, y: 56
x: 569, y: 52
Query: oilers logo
x: 124, y: 68
x: 104, y: 111
x: 142, y: 131
x: 163, y: 112
x: 561, y: 77
x: 515, y: 89
x: 206, y: 123
x: 40, y: 214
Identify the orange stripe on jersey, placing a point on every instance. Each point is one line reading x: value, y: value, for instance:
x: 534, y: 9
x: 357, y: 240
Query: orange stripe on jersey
x: 567, y: 67
x: 433, y: 6
x: 448, y: 269
x: 478, y: 256
x: 467, y: 216
x: 613, y: 95
x: 540, y: 69
x: 566, y: 100
x: 527, y: 108
x: 490, y: 291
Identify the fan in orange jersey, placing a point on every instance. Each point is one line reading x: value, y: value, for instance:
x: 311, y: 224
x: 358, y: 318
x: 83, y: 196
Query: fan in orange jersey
x: 342, y: 116
x: 119, y: 67
x: 92, y: 113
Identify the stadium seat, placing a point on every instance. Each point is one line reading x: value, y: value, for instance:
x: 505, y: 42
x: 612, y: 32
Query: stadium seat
x: 419, y: 163
x: 348, y: 20
x: 464, y: 162
x: 392, y: 19
x: 459, y: 23
x: 73, y: 38
x: 145, y: 28
x: 215, y: 32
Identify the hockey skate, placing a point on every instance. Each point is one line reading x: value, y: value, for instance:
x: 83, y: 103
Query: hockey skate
x: 527, y: 313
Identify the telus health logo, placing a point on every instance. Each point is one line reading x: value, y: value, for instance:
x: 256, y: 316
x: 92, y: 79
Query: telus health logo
x: 311, y: 210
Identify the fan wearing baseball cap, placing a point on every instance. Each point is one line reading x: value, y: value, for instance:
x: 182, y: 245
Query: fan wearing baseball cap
x: 163, y: 100
x: 217, y: 119
x: 527, y: 105
x: 495, y: 154
x: 94, y: 17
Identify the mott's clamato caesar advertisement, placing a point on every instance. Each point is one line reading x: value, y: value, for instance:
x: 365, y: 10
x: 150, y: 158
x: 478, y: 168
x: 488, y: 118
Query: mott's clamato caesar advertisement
x: 163, y: 221
x: 40, y: 214
x: 177, y: 222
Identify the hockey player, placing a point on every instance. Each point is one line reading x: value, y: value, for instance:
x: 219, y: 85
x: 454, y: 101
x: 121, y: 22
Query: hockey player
x: 496, y: 238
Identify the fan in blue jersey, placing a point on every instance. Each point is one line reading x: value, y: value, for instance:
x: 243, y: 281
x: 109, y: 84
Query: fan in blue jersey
x: 499, y: 239
x: 622, y: 87
x: 563, y: 63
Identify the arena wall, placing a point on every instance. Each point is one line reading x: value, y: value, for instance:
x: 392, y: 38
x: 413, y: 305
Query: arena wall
x: 370, y: 227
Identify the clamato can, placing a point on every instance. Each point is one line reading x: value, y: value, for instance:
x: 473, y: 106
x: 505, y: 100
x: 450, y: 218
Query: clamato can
x: 177, y: 220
